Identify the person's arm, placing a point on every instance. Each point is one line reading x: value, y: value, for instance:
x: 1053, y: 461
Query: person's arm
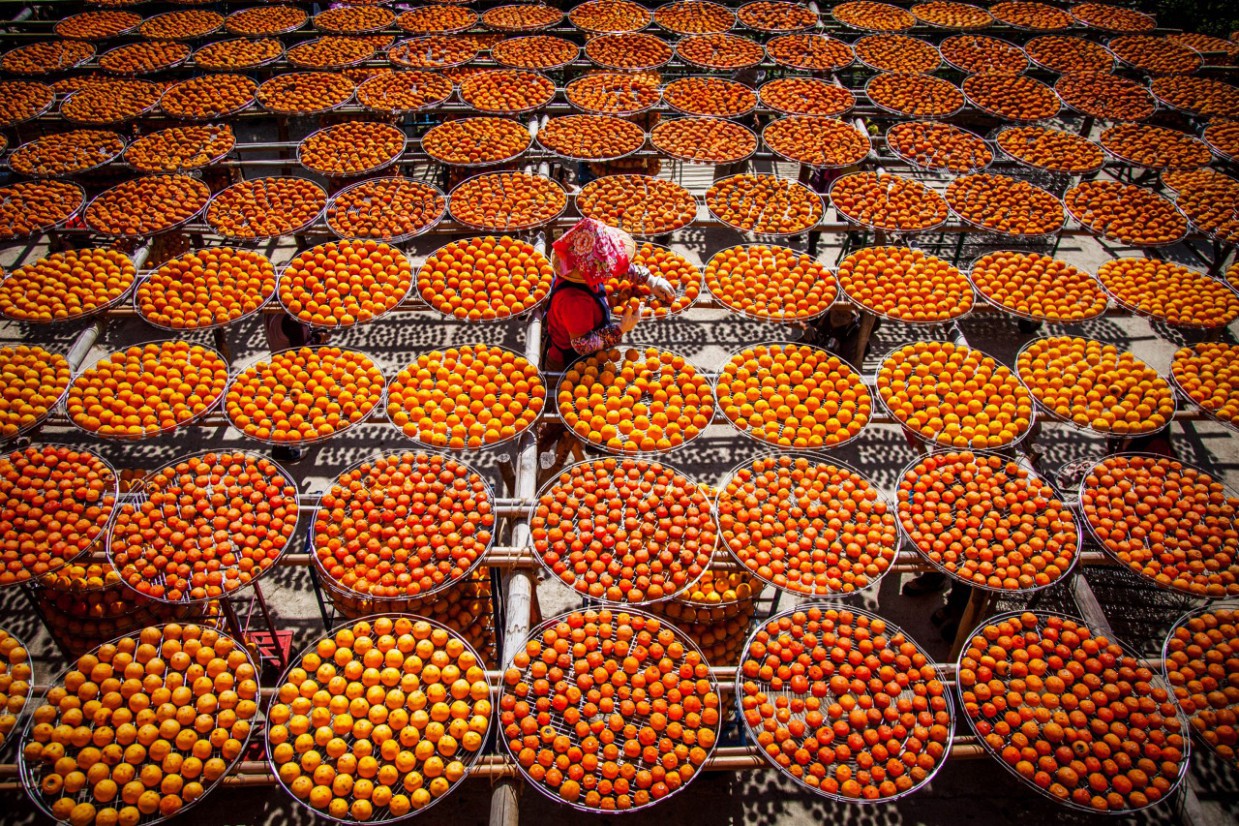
x: 659, y: 286
x: 607, y: 335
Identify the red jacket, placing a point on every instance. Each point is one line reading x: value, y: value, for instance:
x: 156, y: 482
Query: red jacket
x: 574, y: 311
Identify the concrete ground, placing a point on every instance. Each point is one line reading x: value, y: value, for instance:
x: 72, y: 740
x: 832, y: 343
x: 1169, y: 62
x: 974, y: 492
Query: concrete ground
x: 965, y: 792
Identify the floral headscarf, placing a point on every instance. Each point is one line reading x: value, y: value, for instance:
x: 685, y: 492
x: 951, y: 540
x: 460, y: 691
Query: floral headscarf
x: 592, y: 252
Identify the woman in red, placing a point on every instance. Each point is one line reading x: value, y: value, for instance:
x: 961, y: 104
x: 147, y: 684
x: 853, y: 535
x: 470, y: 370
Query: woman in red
x: 578, y: 318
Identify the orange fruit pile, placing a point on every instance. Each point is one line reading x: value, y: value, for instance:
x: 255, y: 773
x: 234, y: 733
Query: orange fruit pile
x: 897, y: 53
x: 385, y: 209
x: 624, y: 530
x: 905, y: 284
x: 354, y: 19
x: 771, y: 283
x: 397, y: 92
x: 638, y: 204
x: 764, y: 204
x: 793, y: 395
x: 206, y: 526
x: 976, y: 53
x: 267, y: 20
x: 1072, y: 713
x: 331, y: 52
x: 55, y: 503
x: 612, y: 93
x: 304, y: 395
x: 883, y: 201
x: 1205, y: 43
x: 684, y: 278
x: 878, y: 17
x: 21, y: 100
x: 97, y: 25
x: 379, y: 720
x: 143, y: 58
x: 776, y: 16
x: 483, y: 279
x: 954, y: 395
x: 694, y: 17
x: 45, y: 57
x: 66, y: 153
x: 807, y: 526
x: 86, y: 604
x: 507, y: 201
x: 466, y: 397
x: 1203, y: 96
x: 16, y: 677
x: 609, y: 710
x: 1043, y: 147
x: 719, y: 630
x: 1201, y: 667
x: 1222, y: 136
x: 720, y: 51
x: 987, y: 521
x: 524, y: 17
x: 1037, y: 286
x: 1031, y: 16
x: 816, y: 141
x: 703, y: 140
x: 27, y: 207
x: 714, y: 96
x: 628, y: 52
x: 1155, y: 55
x: 845, y: 703
x: 946, y: 14
x: 238, y: 54
x: 147, y: 205
x: 506, y: 91
x: 635, y: 401
x: 304, y: 93
x: 1125, y: 212
x: 403, y: 525
x: 809, y: 52
x: 1005, y: 205
x: 147, y: 389
x: 112, y: 102
x: 206, y: 288
x: 915, y: 96
x: 208, y: 96
x: 32, y: 381
x: 1155, y: 147
x: 591, y: 137
x: 1207, y: 198
x: 188, y: 24
x: 1113, y: 18
x: 938, y: 146
x: 609, y: 16
x: 536, y: 52
x: 1170, y: 292
x: 351, y: 148
x: 437, y: 19
x: 1069, y: 55
x: 1095, y: 386
x: 142, y: 727
x: 66, y: 285
x: 1208, y: 374
x: 435, y: 51
x: 1011, y: 97
x: 1166, y: 521
x: 266, y: 207
x: 1106, y: 96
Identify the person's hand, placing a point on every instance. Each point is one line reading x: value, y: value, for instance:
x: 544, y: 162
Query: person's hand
x: 661, y: 288
x: 630, y: 318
